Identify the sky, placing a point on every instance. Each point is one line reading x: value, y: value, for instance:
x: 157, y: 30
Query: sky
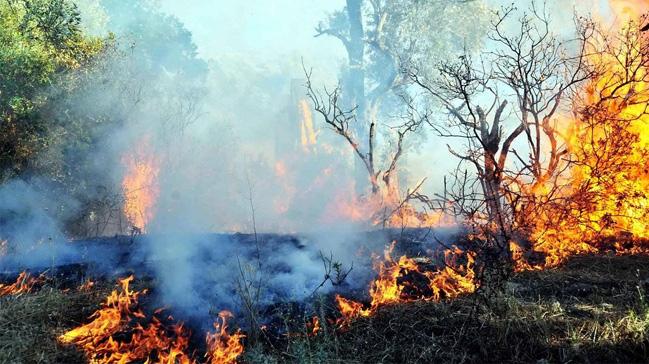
x: 263, y: 28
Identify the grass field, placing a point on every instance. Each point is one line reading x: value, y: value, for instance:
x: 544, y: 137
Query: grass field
x: 591, y: 310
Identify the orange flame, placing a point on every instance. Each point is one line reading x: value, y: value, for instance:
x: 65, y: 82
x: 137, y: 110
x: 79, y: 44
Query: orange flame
x: 313, y: 327
x: 609, y: 143
x: 222, y: 347
x: 24, y: 284
x: 104, y: 338
x: 307, y: 130
x: 86, y: 286
x: 140, y: 185
x: 393, y: 286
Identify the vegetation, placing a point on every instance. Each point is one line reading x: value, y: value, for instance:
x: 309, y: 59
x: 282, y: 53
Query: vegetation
x: 41, y: 41
x: 551, y: 182
x: 593, y: 309
x: 30, y: 324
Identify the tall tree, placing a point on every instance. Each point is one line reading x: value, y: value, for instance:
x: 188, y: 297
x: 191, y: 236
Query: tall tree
x: 383, y: 38
x: 39, y: 40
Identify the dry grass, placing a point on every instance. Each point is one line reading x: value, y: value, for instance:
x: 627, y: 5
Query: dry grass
x: 592, y: 310
x: 30, y: 324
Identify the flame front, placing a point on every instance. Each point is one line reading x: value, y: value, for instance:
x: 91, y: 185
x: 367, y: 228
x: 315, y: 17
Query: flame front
x: 122, y: 333
x: 394, y: 283
x: 104, y: 339
x: 140, y: 185
x: 606, y: 194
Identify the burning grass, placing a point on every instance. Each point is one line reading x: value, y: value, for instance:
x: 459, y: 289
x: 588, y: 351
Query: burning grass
x: 24, y: 283
x: 396, y: 278
x: 121, y: 332
x: 593, y: 309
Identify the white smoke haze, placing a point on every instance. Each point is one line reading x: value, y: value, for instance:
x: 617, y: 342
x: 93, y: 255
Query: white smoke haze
x: 223, y: 122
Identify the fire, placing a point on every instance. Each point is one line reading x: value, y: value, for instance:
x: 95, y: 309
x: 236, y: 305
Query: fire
x: 383, y: 208
x: 313, y: 327
x: 307, y: 130
x: 608, y: 141
x: 140, y: 185
x: 86, y: 286
x: 282, y: 203
x: 628, y: 9
x: 119, y: 333
x: 222, y: 347
x: 104, y: 339
x: 24, y: 284
x: 408, y: 216
x: 394, y: 283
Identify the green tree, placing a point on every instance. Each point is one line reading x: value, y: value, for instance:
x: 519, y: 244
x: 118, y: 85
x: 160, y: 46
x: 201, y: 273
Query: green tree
x: 39, y: 40
x: 148, y: 83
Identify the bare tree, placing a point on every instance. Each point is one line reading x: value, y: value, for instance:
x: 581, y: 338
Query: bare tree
x: 328, y: 104
x: 380, y: 37
x: 503, y: 107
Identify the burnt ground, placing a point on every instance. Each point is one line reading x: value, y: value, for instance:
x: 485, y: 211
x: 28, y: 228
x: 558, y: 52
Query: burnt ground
x: 593, y: 309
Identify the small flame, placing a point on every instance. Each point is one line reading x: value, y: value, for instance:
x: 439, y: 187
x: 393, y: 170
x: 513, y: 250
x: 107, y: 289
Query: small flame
x: 24, y: 284
x: 140, y: 185
x: 313, y: 327
x: 86, y: 286
x: 307, y: 130
x: 222, y: 347
x: 393, y: 286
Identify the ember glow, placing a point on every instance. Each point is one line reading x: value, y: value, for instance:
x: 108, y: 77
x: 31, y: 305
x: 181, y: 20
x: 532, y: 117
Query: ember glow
x: 140, y: 185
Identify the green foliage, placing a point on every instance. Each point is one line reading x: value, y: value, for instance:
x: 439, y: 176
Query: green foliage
x: 63, y: 93
x: 39, y: 40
